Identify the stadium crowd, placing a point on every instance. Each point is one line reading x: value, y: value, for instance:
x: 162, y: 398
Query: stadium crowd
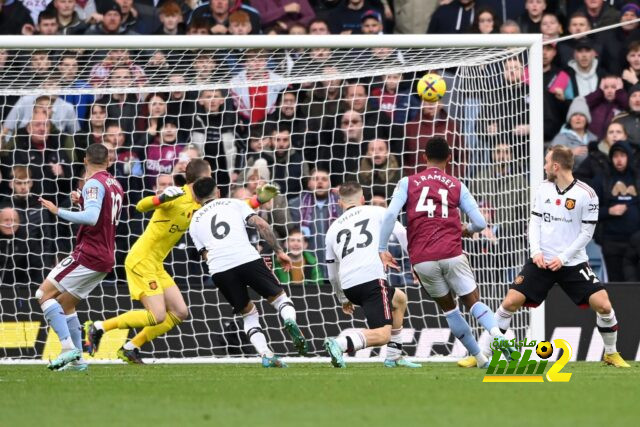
x: 304, y: 138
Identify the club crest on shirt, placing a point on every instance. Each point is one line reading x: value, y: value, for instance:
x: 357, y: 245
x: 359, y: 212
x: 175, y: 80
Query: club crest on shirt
x: 92, y: 193
x: 570, y: 204
x: 153, y: 285
x: 518, y: 280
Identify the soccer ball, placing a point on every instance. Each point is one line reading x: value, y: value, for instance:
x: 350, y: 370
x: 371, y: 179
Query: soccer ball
x: 431, y: 87
x: 544, y: 349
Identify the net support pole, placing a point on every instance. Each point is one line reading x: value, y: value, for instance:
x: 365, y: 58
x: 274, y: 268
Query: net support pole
x: 536, y: 150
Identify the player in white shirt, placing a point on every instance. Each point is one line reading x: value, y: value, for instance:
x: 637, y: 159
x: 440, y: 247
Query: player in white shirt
x: 563, y: 219
x: 358, y: 278
x: 218, y: 230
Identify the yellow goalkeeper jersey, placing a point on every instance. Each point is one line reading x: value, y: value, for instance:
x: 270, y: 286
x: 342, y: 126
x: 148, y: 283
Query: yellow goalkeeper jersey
x: 168, y: 223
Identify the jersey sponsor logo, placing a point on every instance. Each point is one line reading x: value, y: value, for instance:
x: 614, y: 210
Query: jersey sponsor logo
x: 518, y: 280
x: 547, y: 217
x: 548, y: 201
x: 570, y: 204
x: 153, y: 285
x: 92, y: 193
x: 594, y: 207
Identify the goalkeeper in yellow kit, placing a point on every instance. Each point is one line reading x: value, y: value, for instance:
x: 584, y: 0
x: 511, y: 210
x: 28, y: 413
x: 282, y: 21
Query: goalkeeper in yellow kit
x: 147, y: 279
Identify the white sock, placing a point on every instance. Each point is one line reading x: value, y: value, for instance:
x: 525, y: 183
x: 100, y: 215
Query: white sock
x: 67, y: 344
x: 503, y: 318
x: 129, y: 346
x: 351, y: 341
x: 608, y: 327
x: 285, y: 308
x: 251, y: 322
x: 98, y: 324
x: 394, y: 347
x: 481, y: 359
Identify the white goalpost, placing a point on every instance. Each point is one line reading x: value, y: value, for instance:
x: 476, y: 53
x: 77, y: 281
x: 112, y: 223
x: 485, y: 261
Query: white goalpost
x: 289, y: 110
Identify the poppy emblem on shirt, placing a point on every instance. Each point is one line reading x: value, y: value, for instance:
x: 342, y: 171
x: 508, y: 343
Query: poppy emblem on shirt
x: 570, y: 204
x: 558, y: 202
x: 153, y: 285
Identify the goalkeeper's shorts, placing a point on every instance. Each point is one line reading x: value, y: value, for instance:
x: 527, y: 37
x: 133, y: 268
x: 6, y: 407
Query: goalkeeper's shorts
x: 147, y: 278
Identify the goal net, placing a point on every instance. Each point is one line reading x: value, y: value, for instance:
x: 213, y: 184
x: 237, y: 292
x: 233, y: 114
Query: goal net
x: 302, y: 113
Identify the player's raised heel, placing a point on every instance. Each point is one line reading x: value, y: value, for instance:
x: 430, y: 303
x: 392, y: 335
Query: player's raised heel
x: 75, y: 366
x: 92, y: 337
x: 132, y: 357
x: 299, y: 341
x: 401, y: 363
x: 335, y: 352
x: 273, y: 362
x: 614, y: 359
x: 64, y: 358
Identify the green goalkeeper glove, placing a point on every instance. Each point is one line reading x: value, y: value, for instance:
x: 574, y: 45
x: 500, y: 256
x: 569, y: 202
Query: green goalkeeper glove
x: 266, y: 193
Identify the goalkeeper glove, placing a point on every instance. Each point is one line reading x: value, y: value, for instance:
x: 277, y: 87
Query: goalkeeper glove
x: 170, y: 193
x: 266, y: 193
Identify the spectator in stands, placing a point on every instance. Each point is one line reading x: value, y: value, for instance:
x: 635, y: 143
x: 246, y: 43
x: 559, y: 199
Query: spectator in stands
x: 70, y: 78
x: 530, y: 20
x: 70, y: 21
x: 376, y: 124
x: 239, y: 24
x: 38, y: 225
x: 125, y: 163
x: 318, y: 27
x: 380, y: 171
x: 314, y: 211
x: 14, y: 253
x: 485, y: 22
x: 559, y: 92
x: 289, y: 167
x: 163, y: 181
x: 155, y: 107
x: 179, y: 105
x: 597, y: 162
x: 453, y: 17
x: 433, y: 121
x: 347, y: 18
x: 129, y: 15
x: 575, y: 133
x: 583, y: 69
x: 631, y: 260
x: 200, y: 27
x: 550, y: 26
x: 289, y: 116
x: 204, y: 66
x: 216, y: 13
x: 304, y: 265
x: 93, y: 135
x: 287, y: 12
x: 123, y: 107
x: 188, y: 153
x: 256, y: 102
x: 619, y: 208
x: 112, y: 21
x: 630, y: 75
x: 13, y: 17
x: 47, y: 25
x: 102, y: 72
x: 618, y: 40
x: 39, y: 67
x: 631, y: 118
x: 171, y: 18
x: 398, y: 103
x: 40, y: 146
x: 413, y: 16
x: 605, y: 103
x: 578, y: 23
x: 61, y: 113
x: 600, y: 14
x: 215, y: 133
x: 260, y: 146
x: 371, y: 22
x: 163, y: 152
x: 510, y: 27
x: 346, y: 146
x: 323, y: 102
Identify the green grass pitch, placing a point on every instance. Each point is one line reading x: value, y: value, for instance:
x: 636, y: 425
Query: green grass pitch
x: 439, y: 394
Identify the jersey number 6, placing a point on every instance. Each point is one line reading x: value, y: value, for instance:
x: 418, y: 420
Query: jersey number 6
x: 216, y: 226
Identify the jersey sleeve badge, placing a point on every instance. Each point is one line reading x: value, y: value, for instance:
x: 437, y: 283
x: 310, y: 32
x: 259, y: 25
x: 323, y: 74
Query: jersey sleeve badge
x: 92, y: 193
x: 570, y: 204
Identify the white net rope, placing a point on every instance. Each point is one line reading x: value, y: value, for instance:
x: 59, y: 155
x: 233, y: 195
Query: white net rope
x: 305, y: 120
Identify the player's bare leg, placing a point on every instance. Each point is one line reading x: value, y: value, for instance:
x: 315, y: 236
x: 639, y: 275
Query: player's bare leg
x: 47, y: 295
x: 394, y: 346
x: 251, y: 324
x: 460, y: 328
x: 608, y: 327
x: 283, y: 304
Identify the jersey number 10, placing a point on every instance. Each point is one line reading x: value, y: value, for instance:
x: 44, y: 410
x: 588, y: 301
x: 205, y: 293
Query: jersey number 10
x: 116, y: 207
x: 427, y: 205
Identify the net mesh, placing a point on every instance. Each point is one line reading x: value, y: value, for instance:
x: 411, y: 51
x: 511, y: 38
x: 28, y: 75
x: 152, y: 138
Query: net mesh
x: 303, y: 119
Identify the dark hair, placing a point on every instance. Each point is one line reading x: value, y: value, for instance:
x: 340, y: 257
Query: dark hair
x: 196, y: 168
x: 563, y: 156
x: 475, y: 27
x: 203, y: 187
x: 97, y: 154
x: 316, y: 21
x: 437, y: 149
x: 47, y: 14
x: 349, y: 189
x: 110, y: 123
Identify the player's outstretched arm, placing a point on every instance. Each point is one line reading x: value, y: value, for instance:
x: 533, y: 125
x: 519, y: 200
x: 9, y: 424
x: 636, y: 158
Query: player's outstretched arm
x: 398, y: 200
x: 92, y: 193
x: 152, y: 202
x: 469, y: 206
x: 264, y: 229
x: 263, y: 195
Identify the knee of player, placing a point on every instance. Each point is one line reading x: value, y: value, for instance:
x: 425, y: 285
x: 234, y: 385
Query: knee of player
x: 159, y: 316
x: 399, y: 299
x: 182, y: 313
x: 603, y: 307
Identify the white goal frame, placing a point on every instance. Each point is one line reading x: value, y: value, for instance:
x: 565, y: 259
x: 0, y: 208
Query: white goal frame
x: 531, y: 42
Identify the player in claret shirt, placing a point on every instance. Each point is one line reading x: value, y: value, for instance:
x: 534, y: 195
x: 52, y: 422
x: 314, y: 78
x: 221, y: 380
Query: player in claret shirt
x: 76, y: 276
x: 563, y: 219
x: 432, y: 199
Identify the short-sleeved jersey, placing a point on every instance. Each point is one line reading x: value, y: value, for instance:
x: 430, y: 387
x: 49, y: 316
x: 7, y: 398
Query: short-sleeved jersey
x: 219, y: 228
x: 352, y: 240
x: 168, y: 223
x: 434, y: 231
x: 563, y: 213
x: 95, y: 244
